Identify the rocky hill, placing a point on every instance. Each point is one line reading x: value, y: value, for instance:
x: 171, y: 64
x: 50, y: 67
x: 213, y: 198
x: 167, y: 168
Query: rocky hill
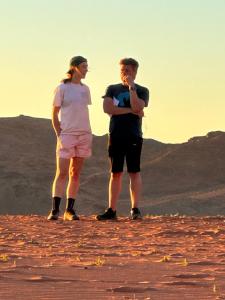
x: 187, y: 178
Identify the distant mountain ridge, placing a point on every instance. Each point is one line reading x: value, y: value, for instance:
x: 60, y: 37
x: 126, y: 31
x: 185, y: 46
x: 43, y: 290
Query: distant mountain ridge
x: 186, y: 178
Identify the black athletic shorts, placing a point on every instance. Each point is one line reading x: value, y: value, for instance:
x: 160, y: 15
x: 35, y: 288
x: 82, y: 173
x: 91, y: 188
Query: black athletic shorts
x: 121, y: 148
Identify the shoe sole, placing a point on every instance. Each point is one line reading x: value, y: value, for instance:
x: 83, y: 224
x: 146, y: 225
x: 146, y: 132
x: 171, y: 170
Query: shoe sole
x: 136, y: 218
x: 52, y: 218
x: 71, y: 219
x: 102, y: 219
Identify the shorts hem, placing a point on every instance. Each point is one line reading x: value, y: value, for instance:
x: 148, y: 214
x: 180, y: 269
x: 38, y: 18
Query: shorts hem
x: 132, y: 171
x: 66, y: 157
x: 116, y: 171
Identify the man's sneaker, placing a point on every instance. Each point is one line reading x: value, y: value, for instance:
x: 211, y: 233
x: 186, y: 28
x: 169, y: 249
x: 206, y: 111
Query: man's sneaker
x: 109, y: 214
x: 54, y: 215
x: 135, y: 214
x: 70, y: 215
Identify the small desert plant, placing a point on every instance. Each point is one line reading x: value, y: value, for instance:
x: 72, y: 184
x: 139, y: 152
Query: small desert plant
x: 4, y: 258
x: 100, y: 261
x: 136, y: 253
x: 166, y: 258
x: 78, y: 244
x: 184, y: 262
x: 33, y: 242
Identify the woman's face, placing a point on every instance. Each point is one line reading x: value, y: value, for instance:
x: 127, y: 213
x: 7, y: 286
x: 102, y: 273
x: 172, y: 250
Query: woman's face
x: 82, y: 69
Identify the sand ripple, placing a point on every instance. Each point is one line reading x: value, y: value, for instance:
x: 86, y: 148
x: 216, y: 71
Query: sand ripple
x: 112, y: 260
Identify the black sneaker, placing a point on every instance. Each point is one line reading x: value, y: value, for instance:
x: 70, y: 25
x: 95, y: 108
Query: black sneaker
x: 135, y: 214
x: 109, y: 214
x: 70, y: 215
x: 54, y: 215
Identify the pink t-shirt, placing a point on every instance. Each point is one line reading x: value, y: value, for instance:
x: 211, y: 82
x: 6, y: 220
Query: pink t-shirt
x: 73, y: 100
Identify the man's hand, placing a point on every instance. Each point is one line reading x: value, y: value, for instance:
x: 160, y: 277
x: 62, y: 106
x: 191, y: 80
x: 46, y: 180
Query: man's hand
x: 111, y: 109
x: 129, y: 80
x: 140, y: 114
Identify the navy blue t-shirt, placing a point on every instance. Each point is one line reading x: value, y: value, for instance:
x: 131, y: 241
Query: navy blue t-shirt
x: 126, y: 125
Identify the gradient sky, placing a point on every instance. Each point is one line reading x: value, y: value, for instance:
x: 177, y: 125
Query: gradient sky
x: 179, y: 44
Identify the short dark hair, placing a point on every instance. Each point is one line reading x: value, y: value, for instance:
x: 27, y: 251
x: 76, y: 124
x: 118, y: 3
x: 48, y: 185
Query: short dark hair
x: 129, y: 61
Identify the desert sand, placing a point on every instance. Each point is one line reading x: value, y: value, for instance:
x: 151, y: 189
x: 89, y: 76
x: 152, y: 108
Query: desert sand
x: 157, y: 258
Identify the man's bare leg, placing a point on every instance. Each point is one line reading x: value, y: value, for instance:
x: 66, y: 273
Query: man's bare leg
x: 135, y: 188
x: 115, y: 184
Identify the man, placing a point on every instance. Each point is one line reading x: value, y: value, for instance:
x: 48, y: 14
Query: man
x: 125, y: 102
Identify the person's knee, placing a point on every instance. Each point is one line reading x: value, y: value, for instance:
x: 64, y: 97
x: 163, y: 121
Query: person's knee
x: 74, y: 173
x: 61, y: 174
x: 117, y: 175
x: 135, y: 175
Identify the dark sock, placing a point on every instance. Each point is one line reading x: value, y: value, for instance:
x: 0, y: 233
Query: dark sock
x: 110, y: 208
x: 70, y: 203
x: 56, y: 203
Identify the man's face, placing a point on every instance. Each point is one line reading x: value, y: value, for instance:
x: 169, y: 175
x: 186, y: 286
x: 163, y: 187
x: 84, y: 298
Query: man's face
x: 127, y: 71
x: 82, y: 69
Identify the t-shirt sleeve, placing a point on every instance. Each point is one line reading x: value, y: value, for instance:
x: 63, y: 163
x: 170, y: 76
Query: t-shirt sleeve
x: 108, y: 92
x: 58, y: 96
x: 143, y: 94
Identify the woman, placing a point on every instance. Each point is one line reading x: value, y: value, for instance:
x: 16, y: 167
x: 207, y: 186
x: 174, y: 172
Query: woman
x: 74, y: 137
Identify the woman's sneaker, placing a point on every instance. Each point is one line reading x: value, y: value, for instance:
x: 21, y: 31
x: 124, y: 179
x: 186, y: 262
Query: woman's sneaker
x: 135, y: 214
x: 70, y: 215
x: 54, y: 215
x: 109, y: 214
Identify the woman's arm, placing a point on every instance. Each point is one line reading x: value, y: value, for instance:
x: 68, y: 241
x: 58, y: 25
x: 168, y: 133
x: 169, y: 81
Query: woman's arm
x: 55, y: 120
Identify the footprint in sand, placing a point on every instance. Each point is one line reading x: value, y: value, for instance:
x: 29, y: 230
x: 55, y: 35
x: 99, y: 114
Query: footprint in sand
x: 127, y: 289
x: 204, y: 263
x: 186, y: 283
x: 40, y: 278
x: 193, y: 275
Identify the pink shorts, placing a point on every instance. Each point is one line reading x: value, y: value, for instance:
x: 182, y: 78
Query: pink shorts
x: 69, y: 146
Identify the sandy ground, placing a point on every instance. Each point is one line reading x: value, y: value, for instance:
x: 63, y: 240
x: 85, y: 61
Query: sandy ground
x: 159, y: 258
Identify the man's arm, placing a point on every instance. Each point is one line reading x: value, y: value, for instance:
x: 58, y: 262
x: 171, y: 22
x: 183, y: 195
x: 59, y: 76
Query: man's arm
x: 55, y: 120
x: 111, y: 109
x: 136, y: 103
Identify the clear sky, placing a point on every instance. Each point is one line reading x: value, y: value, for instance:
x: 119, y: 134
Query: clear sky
x: 179, y: 44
